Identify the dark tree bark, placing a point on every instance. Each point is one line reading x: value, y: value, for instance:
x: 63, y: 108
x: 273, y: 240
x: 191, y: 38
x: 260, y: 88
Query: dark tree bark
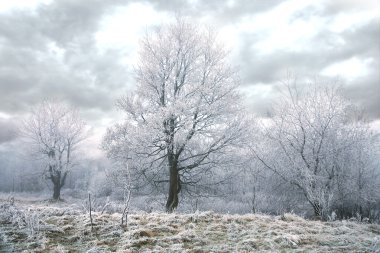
x: 58, y: 181
x: 174, y: 184
x: 57, y: 191
x: 317, y: 210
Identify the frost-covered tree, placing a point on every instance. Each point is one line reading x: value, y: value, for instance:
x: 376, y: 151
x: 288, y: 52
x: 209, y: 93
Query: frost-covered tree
x: 357, y: 178
x: 312, y: 142
x: 185, y: 114
x: 53, y: 132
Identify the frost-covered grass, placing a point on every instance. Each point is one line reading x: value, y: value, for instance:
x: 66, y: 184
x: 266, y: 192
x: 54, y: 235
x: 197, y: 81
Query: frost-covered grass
x: 60, y: 227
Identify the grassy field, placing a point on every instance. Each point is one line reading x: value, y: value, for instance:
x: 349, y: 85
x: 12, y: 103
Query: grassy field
x: 41, y: 226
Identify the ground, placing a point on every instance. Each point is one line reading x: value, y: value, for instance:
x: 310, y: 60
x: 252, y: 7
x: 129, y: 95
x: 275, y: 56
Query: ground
x: 43, y: 226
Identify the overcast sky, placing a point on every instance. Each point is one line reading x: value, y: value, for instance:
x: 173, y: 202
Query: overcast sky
x: 83, y: 51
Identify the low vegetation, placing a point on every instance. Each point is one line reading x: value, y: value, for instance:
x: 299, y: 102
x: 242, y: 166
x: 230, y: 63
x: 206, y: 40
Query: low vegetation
x: 43, y: 226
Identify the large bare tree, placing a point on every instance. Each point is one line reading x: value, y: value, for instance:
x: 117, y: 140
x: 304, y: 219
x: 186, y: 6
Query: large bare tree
x: 53, y: 132
x: 185, y: 113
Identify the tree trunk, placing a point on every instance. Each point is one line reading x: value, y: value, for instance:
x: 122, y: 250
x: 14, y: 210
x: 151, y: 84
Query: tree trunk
x: 317, y: 210
x: 58, y: 183
x: 174, y: 187
x: 57, y: 188
x: 317, y: 207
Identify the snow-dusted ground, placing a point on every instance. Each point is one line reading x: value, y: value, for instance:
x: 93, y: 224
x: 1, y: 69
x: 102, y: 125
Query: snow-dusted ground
x: 41, y: 226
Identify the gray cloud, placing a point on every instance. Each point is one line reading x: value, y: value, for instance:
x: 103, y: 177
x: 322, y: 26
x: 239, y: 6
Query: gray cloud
x: 89, y: 79
x: 366, y: 92
x: 30, y: 71
x: 223, y: 11
x: 8, y: 131
x: 345, y: 6
x: 325, y: 49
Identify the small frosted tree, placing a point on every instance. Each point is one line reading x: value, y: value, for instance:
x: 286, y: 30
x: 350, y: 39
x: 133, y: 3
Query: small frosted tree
x: 357, y: 180
x: 53, y: 132
x: 185, y: 114
x: 310, y: 139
